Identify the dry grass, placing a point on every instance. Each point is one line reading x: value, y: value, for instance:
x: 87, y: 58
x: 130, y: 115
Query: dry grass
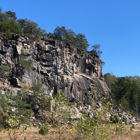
x: 128, y: 134
x: 33, y: 134
x: 25, y: 85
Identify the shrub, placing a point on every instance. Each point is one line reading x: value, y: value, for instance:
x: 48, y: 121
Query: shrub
x: 4, y: 71
x: 86, y: 127
x: 10, y: 25
x: 44, y: 130
x: 114, y: 119
x: 8, y: 34
x: 24, y: 62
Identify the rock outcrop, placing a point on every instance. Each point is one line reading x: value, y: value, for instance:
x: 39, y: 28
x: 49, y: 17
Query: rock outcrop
x: 25, y: 62
x: 54, y: 64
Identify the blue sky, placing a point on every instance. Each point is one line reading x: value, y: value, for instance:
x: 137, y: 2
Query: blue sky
x: 114, y: 24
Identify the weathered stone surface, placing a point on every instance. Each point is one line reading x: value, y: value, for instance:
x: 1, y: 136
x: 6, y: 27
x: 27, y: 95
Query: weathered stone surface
x: 57, y: 65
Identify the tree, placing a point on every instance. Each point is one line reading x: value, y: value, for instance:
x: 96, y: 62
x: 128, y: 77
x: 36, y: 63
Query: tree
x: 1, y: 14
x: 50, y: 35
x: 96, y: 50
x: 30, y: 27
x: 110, y: 80
x: 22, y: 23
x: 42, y: 33
x: 98, y: 126
x: 61, y: 114
x: 81, y: 41
x: 68, y: 36
x: 60, y: 33
x: 11, y: 15
x: 38, y: 101
x: 126, y: 92
x: 13, y: 108
x: 10, y: 25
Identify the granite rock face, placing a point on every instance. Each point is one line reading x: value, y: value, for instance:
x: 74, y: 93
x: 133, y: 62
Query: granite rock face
x: 57, y: 66
x: 54, y: 64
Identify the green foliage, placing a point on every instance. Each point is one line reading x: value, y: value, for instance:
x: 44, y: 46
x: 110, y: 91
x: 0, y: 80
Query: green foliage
x: 9, y: 22
x: 61, y: 98
x: 62, y: 108
x: 38, y: 101
x: 11, y: 15
x: 44, y: 129
x: 13, y: 111
x: 125, y: 91
x: 110, y: 80
x: 114, y: 119
x: 4, y: 109
x: 37, y: 87
x: 31, y: 28
x: 3, y: 16
x: 1, y: 128
x: 68, y: 36
x: 86, y: 127
x: 23, y: 109
x: 25, y: 62
x: 4, y: 71
x: 4, y: 68
x: 80, y: 41
x: 96, y: 50
x: 10, y: 25
x: 8, y: 34
x: 97, y: 127
x: 60, y: 114
x: 132, y: 127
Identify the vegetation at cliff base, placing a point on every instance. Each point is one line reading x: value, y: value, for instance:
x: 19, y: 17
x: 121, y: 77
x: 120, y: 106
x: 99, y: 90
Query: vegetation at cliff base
x: 125, y: 92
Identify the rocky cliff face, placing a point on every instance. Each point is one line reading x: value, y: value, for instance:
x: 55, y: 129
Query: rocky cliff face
x: 54, y: 64
x: 25, y: 62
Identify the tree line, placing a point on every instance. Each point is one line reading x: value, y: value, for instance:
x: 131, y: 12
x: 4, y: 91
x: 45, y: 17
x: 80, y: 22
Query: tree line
x: 9, y: 23
x: 125, y: 92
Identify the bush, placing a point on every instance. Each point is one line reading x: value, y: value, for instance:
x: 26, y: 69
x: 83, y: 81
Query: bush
x: 10, y: 25
x: 44, y: 130
x: 114, y: 119
x: 8, y: 34
x: 24, y: 62
x: 4, y: 71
